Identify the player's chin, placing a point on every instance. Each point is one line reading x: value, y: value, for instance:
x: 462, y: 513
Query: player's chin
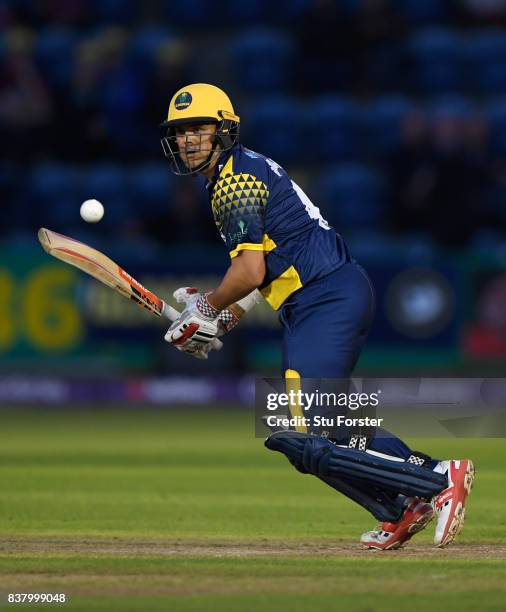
x: 193, y: 161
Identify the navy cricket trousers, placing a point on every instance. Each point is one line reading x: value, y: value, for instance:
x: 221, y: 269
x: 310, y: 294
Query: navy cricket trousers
x: 326, y: 325
x: 327, y: 322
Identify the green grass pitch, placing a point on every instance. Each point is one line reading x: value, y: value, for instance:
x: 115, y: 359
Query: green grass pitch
x: 185, y: 510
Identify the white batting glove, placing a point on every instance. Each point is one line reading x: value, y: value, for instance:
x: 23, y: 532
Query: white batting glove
x: 199, y: 350
x: 197, y: 323
x: 227, y: 320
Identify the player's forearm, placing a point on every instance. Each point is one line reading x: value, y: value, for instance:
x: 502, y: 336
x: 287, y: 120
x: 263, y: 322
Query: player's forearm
x: 245, y: 304
x: 244, y: 275
x: 232, y: 288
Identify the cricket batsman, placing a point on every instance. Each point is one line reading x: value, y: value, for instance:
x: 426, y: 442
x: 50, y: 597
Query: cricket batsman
x: 282, y: 248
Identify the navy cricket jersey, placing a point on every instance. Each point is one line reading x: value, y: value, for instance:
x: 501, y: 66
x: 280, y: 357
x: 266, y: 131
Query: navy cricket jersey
x: 256, y: 206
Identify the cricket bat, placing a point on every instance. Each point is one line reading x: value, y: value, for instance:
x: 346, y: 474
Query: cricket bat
x: 107, y: 271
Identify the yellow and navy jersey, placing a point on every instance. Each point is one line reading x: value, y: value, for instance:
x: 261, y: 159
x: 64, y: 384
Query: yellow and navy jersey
x: 257, y: 206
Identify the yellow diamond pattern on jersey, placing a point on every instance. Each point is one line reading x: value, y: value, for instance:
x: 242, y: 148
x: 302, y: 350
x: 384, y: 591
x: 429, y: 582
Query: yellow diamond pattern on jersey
x: 238, y: 195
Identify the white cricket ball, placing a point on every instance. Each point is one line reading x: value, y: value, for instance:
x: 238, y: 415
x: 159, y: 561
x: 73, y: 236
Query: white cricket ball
x: 91, y: 211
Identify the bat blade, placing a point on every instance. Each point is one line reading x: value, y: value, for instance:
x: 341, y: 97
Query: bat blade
x: 102, y: 268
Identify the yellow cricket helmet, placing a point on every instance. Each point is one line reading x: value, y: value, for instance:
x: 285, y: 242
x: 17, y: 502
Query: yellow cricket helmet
x: 200, y: 103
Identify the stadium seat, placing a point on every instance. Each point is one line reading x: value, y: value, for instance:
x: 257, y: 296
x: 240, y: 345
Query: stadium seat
x: 144, y: 44
x: 289, y: 10
x: 450, y: 105
x: 369, y: 244
x: 194, y: 13
x: 436, y: 61
x: 121, y: 101
x: 486, y: 60
x: 274, y: 127
x: 498, y: 202
x: 55, y: 194
x: 488, y: 240
x: 335, y: 129
x: 2, y: 47
x: 18, y: 205
x: 496, y: 114
x: 247, y: 12
x: 113, y: 12
x: 351, y: 196
x: 351, y: 7
x: 150, y: 185
x: 420, y: 12
x: 385, y: 116
x: 385, y: 67
x: 8, y: 172
x: 262, y: 60
x: 260, y: 12
x: 418, y: 247
x: 108, y: 182
x: 137, y: 250
x: 54, y: 53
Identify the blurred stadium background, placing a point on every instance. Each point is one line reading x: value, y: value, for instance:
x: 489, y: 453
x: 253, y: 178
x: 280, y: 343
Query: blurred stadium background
x: 391, y: 114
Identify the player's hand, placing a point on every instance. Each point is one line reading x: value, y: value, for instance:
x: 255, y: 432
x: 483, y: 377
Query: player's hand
x: 227, y: 319
x: 197, y: 323
x: 199, y: 350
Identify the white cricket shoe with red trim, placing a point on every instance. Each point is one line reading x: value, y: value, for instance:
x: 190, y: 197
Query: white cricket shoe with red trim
x: 450, y: 504
x: 417, y: 515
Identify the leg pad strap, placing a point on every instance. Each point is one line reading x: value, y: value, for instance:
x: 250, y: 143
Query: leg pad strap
x: 320, y: 457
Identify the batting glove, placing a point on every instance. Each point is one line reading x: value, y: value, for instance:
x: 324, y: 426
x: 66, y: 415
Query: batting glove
x: 227, y: 320
x: 197, y: 323
x: 199, y: 350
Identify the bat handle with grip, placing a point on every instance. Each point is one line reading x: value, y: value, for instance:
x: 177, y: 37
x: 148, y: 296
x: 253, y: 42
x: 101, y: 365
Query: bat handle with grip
x: 172, y: 314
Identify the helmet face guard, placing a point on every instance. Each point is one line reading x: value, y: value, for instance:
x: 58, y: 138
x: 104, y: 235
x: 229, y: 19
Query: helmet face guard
x: 225, y: 137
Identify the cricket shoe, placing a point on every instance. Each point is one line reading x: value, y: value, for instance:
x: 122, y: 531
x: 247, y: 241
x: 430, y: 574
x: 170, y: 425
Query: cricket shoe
x: 389, y: 536
x: 450, y: 504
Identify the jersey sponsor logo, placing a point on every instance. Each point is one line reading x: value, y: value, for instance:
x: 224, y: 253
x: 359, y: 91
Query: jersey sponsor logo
x: 236, y: 237
x: 183, y: 100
